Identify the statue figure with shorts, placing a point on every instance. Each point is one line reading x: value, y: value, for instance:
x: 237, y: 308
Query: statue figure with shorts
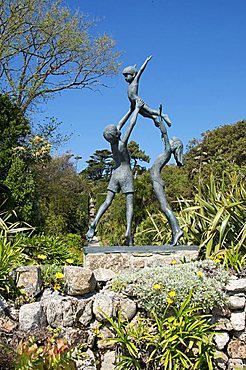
x: 122, y: 177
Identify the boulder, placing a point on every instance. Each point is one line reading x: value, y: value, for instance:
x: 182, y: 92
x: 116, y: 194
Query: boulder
x: 32, y: 317
x: 103, y: 305
x: 78, y: 280
x: 236, y: 285
x: 221, y: 340
x: 29, y: 279
x: 108, y: 361
x: 238, y: 320
x: 237, y: 349
x: 84, y: 311
x: 103, y: 275
x: 237, y: 302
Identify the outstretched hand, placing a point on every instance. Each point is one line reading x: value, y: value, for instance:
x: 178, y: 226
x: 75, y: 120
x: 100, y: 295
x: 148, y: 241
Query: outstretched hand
x: 139, y: 103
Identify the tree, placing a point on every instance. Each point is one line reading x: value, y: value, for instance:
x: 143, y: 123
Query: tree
x: 44, y: 48
x: 100, y: 165
x: 220, y: 149
x: 63, y: 201
x: 14, y: 128
x: 136, y: 155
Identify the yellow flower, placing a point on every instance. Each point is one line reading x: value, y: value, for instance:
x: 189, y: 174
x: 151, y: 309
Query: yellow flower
x: 172, y: 294
x: 170, y: 300
x: 157, y: 286
x: 200, y: 274
x: 69, y: 260
x: 173, y: 262
x: 217, y: 260
x: 59, y: 275
x: 42, y: 257
x: 57, y: 286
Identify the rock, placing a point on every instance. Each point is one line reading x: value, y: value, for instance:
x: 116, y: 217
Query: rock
x: 237, y: 302
x: 117, y: 262
x: 127, y: 308
x: 237, y: 349
x: 29, y: 279
x: 88, y: 361
x: 222, y: 323
x: 31, y: 317
x: 108, y: 361
x: 221, y: 360
x: 221, y: 340
x: 236, y: 285
x: 84, y: 311
x: 104, y: 275
x: 235, y: 364
x: 103, y: 304
x: 3, y: 307
x: 103, y: 343
x: 75, y: 336
x: 238, y: 320
x: 78, y: 280
x: 7, y: 325
x: 60, y: 310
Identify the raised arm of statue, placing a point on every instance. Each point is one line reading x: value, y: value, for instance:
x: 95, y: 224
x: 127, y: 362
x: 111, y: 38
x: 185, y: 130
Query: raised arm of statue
x: 124, y: 119
x: 139, y: 104
x: 142, y: 68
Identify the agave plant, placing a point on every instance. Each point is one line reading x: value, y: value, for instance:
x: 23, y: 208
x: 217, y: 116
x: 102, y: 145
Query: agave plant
x: 217, y: 216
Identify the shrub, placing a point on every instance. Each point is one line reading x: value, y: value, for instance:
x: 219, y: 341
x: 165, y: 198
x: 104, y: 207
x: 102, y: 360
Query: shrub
x: 181, y: 340
x: 154, y: 287
x: 217, y: 217
x: 49, y: 249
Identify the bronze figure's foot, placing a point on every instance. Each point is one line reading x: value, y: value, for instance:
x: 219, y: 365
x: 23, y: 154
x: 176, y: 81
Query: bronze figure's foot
x: 90, y: 233
x: 176, y: 237
x: 129, y: 240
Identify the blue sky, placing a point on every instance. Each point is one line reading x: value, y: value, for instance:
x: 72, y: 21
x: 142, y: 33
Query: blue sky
x: 198, y: 71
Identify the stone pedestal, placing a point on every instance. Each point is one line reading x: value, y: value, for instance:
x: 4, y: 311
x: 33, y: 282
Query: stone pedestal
x: 120, y: 258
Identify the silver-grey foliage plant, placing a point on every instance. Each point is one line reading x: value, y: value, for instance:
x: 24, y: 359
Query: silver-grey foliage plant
x: 155, y: 287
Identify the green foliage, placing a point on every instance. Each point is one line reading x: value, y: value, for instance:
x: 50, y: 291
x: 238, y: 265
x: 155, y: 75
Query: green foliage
x: 22, y: 197
x: 156, y: 286
x: 217, y: 217
x: 14, y: 128
x: 63, y: 197
x: 219, y: 150
x: 137, y: 155
x: 100, y: 165
x: 49, y: 249
x: 179, y: 339
x: 10, y: 257
x: 154, y: 230
x: 232, y: 258
x: 10, y: 250
x: 52, y: 276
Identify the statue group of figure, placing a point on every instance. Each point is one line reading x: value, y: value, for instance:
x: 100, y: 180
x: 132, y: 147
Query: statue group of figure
x: 122, y: 176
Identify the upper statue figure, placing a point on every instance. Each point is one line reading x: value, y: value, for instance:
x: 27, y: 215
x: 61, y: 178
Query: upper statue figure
x: 132, y: 77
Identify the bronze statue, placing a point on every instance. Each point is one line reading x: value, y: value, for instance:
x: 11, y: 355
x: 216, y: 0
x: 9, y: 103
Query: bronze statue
x: 122, y: 177
x: 132, y: 77
x: 175, y: 147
